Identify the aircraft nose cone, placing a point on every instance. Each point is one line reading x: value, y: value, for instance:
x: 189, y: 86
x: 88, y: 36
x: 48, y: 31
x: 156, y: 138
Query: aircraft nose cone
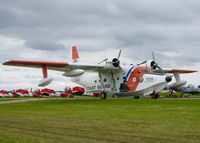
x: 168, y: 78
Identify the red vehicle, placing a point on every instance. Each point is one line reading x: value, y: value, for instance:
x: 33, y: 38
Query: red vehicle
x: 3, y: 93
x: 20, y: 92
x: 43, y: 92
x: 47, y: 92
x: 67, y: 93
x: 36, y: 93
x: 70, y: 92
x: 78, y: 90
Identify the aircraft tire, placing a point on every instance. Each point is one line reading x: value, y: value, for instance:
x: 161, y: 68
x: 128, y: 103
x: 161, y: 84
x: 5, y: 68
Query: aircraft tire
x: 136, y: 97
x: 103, y: 95
x: 114, y: 95
x: 45, y: 94
x: 155, y: 96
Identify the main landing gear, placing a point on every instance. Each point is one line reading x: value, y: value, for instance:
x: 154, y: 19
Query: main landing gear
x: 136, y: 97
x: 103, y: 95
x: 155, y: 95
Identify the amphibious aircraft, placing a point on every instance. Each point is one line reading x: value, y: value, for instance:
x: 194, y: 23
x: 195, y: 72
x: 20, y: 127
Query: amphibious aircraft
x: 191, y: 89
x: 146, y: 78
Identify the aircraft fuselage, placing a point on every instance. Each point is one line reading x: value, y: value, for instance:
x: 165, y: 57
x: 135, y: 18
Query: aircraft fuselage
x: 130, y: 80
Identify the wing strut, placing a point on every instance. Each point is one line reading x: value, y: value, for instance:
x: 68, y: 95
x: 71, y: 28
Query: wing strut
x: 44, y: 71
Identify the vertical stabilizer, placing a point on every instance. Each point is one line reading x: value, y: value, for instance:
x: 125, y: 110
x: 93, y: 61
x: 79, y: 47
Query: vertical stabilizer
x: 75, y: 55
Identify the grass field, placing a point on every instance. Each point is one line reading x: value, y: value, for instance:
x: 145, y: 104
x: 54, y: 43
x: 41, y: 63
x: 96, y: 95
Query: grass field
x: 7, y: 99
x: 94, y: 120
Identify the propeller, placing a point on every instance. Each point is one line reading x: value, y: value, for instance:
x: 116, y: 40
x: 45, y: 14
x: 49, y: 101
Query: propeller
x: 155, y: 66
x: 116, y: 61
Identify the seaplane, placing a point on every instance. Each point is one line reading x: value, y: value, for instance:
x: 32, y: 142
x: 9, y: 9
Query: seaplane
x: 109, y: 75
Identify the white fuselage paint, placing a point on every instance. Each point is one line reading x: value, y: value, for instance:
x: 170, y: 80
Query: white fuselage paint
x: 111, y: 82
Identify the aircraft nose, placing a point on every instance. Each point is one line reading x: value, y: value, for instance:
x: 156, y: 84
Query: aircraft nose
x: 168, y: 78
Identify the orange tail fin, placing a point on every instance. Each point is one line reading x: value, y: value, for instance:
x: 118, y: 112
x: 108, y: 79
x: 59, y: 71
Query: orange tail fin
x: 75, y: 55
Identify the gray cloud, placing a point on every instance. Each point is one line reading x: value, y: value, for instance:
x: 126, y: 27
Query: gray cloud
x: 139, y: 26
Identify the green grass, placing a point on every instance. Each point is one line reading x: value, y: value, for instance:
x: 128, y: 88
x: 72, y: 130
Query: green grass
x: 179, y: 95
x: 94, y: 120
x: 7, y: 99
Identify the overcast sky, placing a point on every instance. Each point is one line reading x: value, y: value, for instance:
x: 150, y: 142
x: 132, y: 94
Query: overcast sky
x: 45, y: 30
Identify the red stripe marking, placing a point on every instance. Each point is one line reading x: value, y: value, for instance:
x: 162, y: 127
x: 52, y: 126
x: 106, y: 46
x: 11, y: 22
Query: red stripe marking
x: 44, y: 71
x: 181, y: 71
x: 38, y: 63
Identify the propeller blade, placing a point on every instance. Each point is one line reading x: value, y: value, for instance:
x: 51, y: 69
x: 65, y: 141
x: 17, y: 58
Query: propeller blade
x: 153, y: 56
x: 142, y: 63
x: 161, y: 70
x: 102, y: 61
x: 119, y: 54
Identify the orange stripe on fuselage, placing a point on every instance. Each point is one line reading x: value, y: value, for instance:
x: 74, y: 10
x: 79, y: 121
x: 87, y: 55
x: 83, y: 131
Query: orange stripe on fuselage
x: 134, y: 78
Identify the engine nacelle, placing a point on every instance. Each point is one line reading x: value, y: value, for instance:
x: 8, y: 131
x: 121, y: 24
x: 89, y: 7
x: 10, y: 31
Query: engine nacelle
x: 73, y: 73
x: 152, y: 64
x: 115, y: 62
x: 45, y: 81
x: 168, y: 79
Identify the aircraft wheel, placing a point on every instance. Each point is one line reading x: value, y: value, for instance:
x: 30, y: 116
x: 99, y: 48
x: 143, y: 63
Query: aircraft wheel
x: 155, y: 96
x: 136, y: 97
x: 114, y: 96
x: 103, y: 95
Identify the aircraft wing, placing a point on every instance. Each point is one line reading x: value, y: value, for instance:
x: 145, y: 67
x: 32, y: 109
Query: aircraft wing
x: 56, y: 66
x: 180, y: 71
x: 172, y: 71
